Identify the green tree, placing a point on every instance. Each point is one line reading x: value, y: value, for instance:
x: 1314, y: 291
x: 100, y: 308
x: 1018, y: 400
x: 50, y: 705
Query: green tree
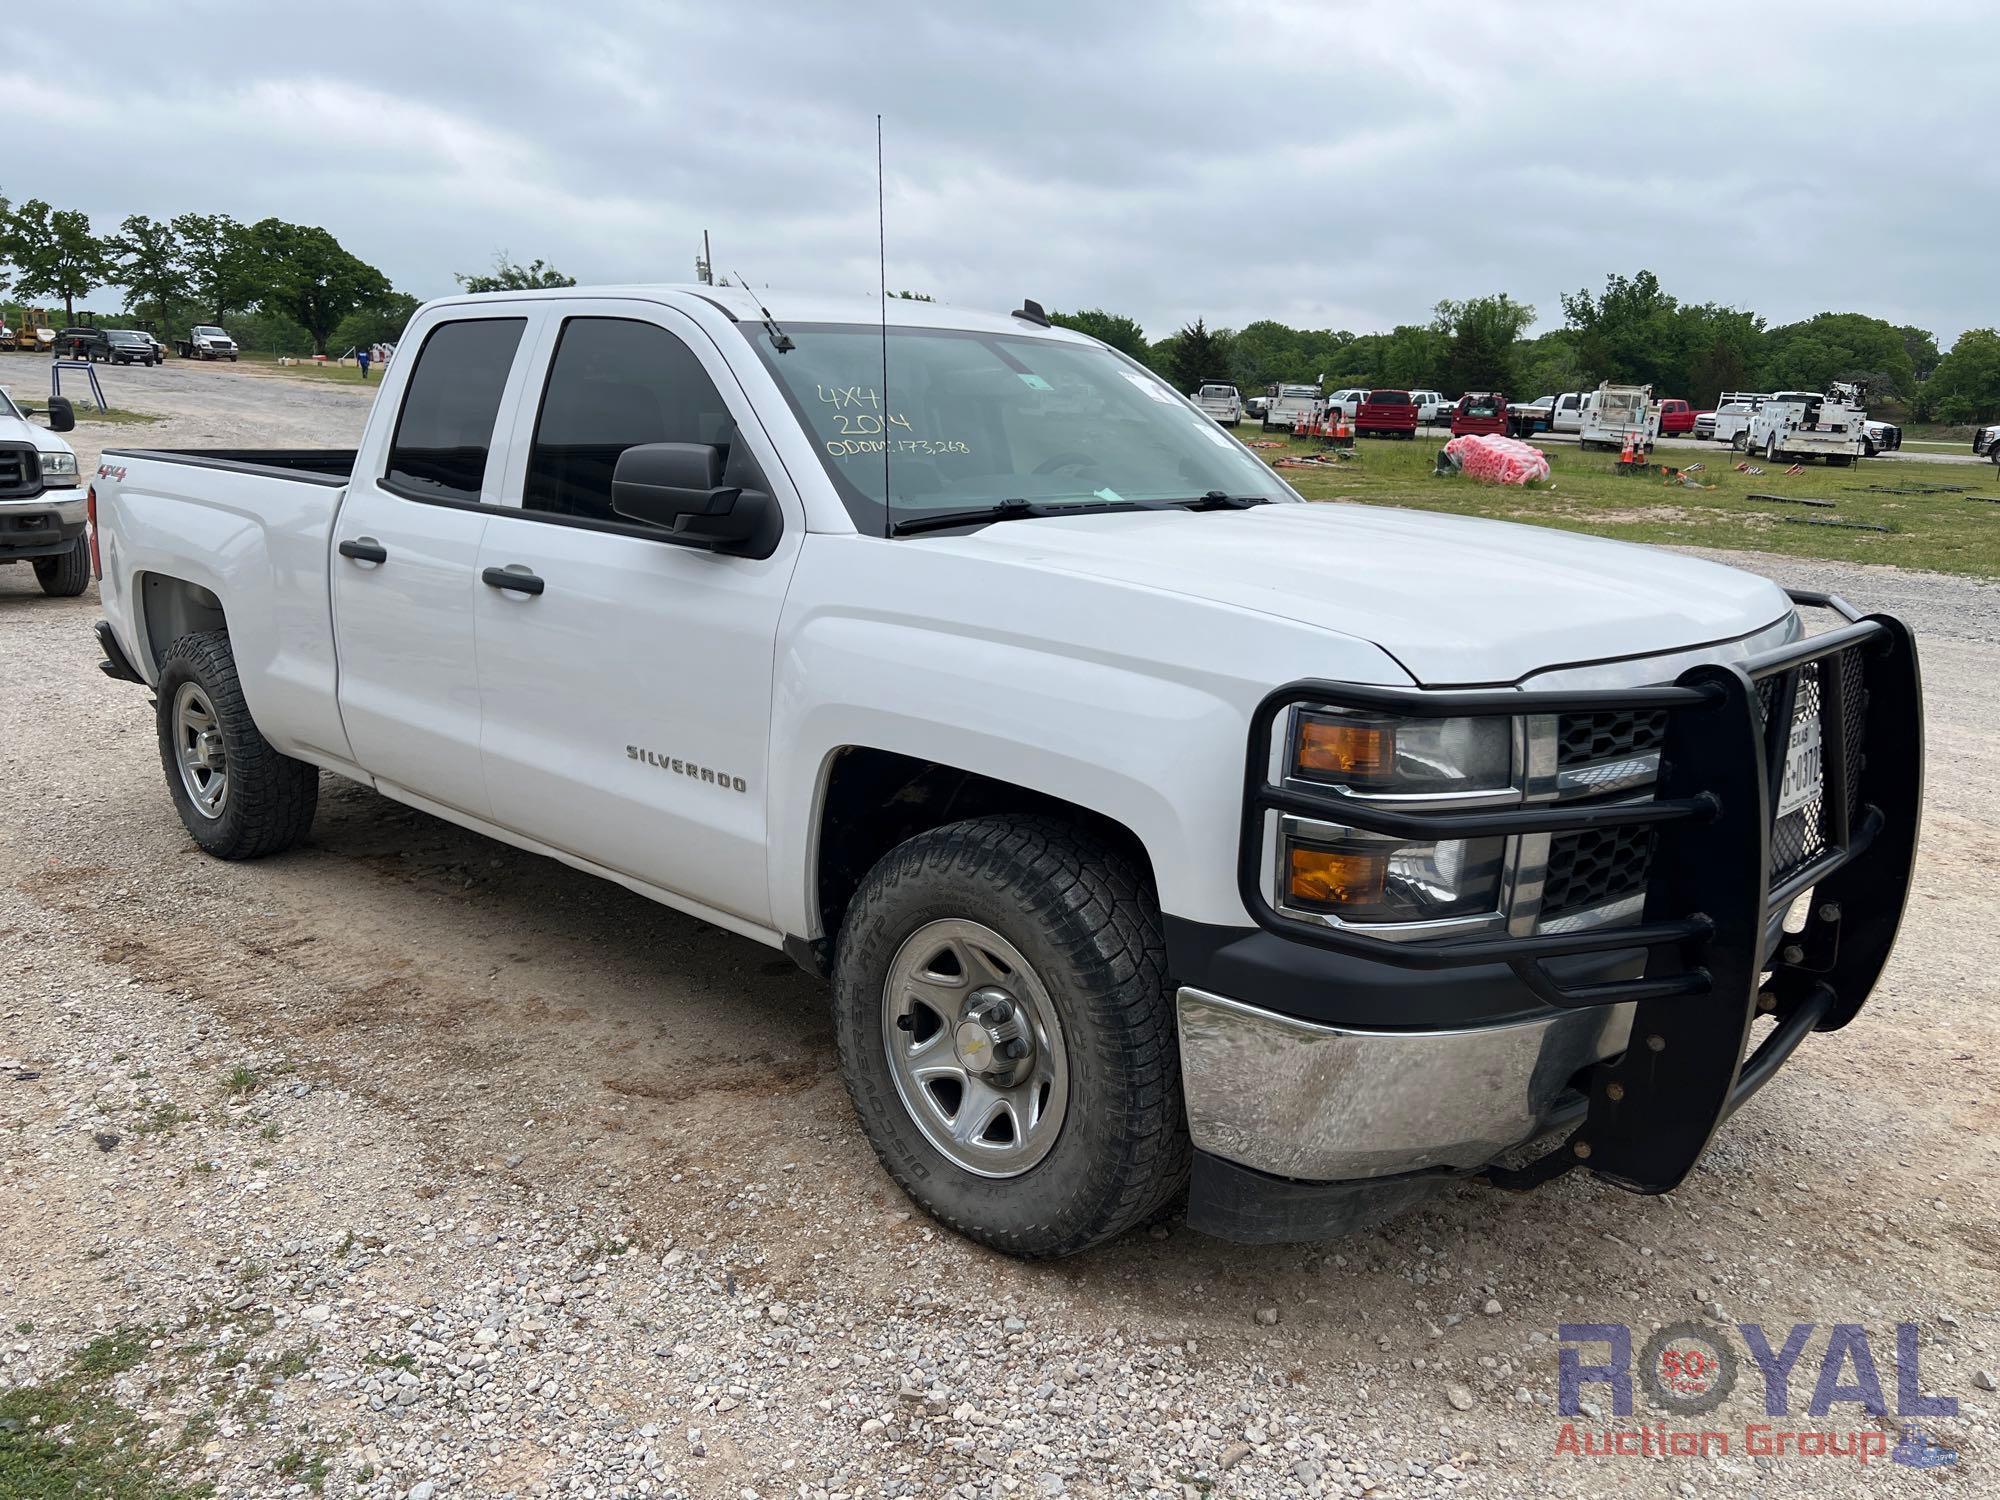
x: 1720, y: 350
x: 150, y: 267
x: 381, y: 322
x: 56, y: 253
x: 220, y: 264
x: 1194, y: 355
x: 1115, y: 329
x: 508, y: 276
x: 1548, y: 364
x: 6, y: 242
x: 304, y: 273
x: 1413, y: 356
x: 1479, y: 338
x: 1811, y: 355
x: 1922, y: 347
x: 1965, y: 387
x: 1629, y: 334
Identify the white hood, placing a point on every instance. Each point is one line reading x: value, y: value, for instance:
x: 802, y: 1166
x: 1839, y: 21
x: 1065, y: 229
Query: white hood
x: 1456, y: 600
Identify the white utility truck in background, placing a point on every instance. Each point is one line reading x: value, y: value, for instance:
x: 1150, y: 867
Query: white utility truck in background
x: 1614, y: 415
x: 1290, y: 405
x: 1797, y: 425
x: 1730, y: 421
x: 1222, y: 403
x: 1162, y: 835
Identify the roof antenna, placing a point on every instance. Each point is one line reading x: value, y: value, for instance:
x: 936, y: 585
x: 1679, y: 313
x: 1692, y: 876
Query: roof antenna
x: 781, y: 341
x: 882, y: 288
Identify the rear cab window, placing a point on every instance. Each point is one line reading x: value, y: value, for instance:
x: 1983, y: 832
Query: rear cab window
x: 444, y: 432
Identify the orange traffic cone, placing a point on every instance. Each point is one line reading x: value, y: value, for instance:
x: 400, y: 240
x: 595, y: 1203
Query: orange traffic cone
x: 1626, y: 456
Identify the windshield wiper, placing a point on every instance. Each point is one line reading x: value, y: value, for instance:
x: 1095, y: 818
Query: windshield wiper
x: 1007, y: 510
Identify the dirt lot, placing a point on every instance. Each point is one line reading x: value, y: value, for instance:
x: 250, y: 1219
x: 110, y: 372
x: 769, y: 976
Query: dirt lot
x: 409, y: 1165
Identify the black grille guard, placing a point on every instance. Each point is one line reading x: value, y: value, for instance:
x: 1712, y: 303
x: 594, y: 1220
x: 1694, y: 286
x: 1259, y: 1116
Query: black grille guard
x: 1711, y: 898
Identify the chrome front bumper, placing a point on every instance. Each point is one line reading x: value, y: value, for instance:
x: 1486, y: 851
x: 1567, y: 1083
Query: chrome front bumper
x: 1328, y: 1104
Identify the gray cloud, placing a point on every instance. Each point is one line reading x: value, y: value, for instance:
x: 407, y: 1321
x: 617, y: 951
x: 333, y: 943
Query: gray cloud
x: 1329, y: 165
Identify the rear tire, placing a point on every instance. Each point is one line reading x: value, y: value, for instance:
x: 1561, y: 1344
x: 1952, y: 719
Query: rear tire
x: 1083, y: 928
x: 1741, y: 442
x: 67, y: 574
x: 237, y: 797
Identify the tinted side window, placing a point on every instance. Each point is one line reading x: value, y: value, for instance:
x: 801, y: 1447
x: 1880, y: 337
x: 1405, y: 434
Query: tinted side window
x: 615, y: 383
x: 445, y: 429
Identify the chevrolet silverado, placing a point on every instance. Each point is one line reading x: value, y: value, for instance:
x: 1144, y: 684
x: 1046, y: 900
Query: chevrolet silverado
x: 1165, y: 838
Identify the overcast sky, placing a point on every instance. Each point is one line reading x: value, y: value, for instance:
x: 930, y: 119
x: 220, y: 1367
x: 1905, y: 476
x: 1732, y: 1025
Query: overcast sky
x: 1328, y: 165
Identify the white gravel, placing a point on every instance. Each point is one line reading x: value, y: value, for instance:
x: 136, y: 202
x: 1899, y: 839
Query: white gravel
x: 440, y: 1170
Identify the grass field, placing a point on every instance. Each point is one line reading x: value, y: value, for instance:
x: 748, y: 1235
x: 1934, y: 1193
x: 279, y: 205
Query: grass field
x: 1947, y: 532
x: 306, y: 370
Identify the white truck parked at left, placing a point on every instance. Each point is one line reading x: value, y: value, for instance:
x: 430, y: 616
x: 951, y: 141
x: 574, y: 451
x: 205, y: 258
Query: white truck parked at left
x: 41, y: 504
x: 1162, y: 834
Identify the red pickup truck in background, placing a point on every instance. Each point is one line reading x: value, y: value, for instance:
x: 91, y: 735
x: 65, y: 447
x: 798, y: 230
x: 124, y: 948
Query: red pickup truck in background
x: 1676, y: 418
x: 1386, y: 414
x: 1479, y: 412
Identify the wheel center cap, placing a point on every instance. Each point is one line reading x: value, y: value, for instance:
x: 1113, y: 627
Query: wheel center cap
x: 992, y: 1039
x: 208, y: 749
x: 975, y: 1046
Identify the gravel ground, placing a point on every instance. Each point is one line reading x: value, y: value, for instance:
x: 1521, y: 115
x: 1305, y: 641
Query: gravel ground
x: 408, y: 1165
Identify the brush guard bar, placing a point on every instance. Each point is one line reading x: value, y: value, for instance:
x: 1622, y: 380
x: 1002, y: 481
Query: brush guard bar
x: 1711, y: 899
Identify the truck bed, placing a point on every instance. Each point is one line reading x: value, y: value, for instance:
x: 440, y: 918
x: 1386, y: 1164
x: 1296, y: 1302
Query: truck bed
x: 330, y: 466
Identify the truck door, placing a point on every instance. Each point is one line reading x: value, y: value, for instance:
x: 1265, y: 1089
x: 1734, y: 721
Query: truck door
x: 626, y: 694
x: 406, y: 542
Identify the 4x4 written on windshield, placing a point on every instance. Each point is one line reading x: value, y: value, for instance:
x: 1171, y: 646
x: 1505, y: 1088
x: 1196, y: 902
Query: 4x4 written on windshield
x: 862, y: 427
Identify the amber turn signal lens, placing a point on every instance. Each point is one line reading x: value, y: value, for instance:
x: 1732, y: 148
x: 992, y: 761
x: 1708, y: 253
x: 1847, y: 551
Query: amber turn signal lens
x: 1340, y: 747
x: 1334, y: 877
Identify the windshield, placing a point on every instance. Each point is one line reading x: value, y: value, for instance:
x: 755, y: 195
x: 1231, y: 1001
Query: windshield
x: 1219, y: 392
x: 210, y: 333
x: 130, y: 338
x: 975, y: 419
x: 1298, y: 393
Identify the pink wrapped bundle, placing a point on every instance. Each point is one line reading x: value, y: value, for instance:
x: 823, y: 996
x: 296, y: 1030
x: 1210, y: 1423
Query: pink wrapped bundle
x: 1497, y: 460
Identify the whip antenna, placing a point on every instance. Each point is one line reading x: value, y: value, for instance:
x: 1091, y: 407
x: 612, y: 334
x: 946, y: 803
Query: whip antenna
x: 882, y: 289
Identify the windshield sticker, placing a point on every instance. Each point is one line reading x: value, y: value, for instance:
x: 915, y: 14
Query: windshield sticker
x: 1035, y: 382
x: 1112, y: 495
x: 916, y: 447
x: 1150, y: 387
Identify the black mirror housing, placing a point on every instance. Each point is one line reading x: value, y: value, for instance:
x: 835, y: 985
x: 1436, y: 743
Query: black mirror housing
x: 684, y: 489
x: 62, y: 416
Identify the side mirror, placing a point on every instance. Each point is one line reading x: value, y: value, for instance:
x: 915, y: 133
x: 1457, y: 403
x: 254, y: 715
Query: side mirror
x: 62, y: 416
x: 683, y: 488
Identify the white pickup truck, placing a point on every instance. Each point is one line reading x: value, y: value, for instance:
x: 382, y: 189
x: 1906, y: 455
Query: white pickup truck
x: 1164, y: 837
x: 41, y: 502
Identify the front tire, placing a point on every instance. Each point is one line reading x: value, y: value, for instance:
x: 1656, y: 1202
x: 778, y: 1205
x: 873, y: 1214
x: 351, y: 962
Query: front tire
x: 67, y: 574
x: 1060, y: 1124
x: 237, y: 797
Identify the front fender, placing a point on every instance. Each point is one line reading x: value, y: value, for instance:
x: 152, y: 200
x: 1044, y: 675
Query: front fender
x: 1130, y: 702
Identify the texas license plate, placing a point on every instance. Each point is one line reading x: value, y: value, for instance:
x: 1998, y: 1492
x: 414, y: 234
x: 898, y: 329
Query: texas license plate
x: 1802, y: 766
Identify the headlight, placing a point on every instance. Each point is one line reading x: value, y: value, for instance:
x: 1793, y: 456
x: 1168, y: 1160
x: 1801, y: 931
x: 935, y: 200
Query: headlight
x: 1360, y: 877
x: 58, y: 468
x: 1411, y: 757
